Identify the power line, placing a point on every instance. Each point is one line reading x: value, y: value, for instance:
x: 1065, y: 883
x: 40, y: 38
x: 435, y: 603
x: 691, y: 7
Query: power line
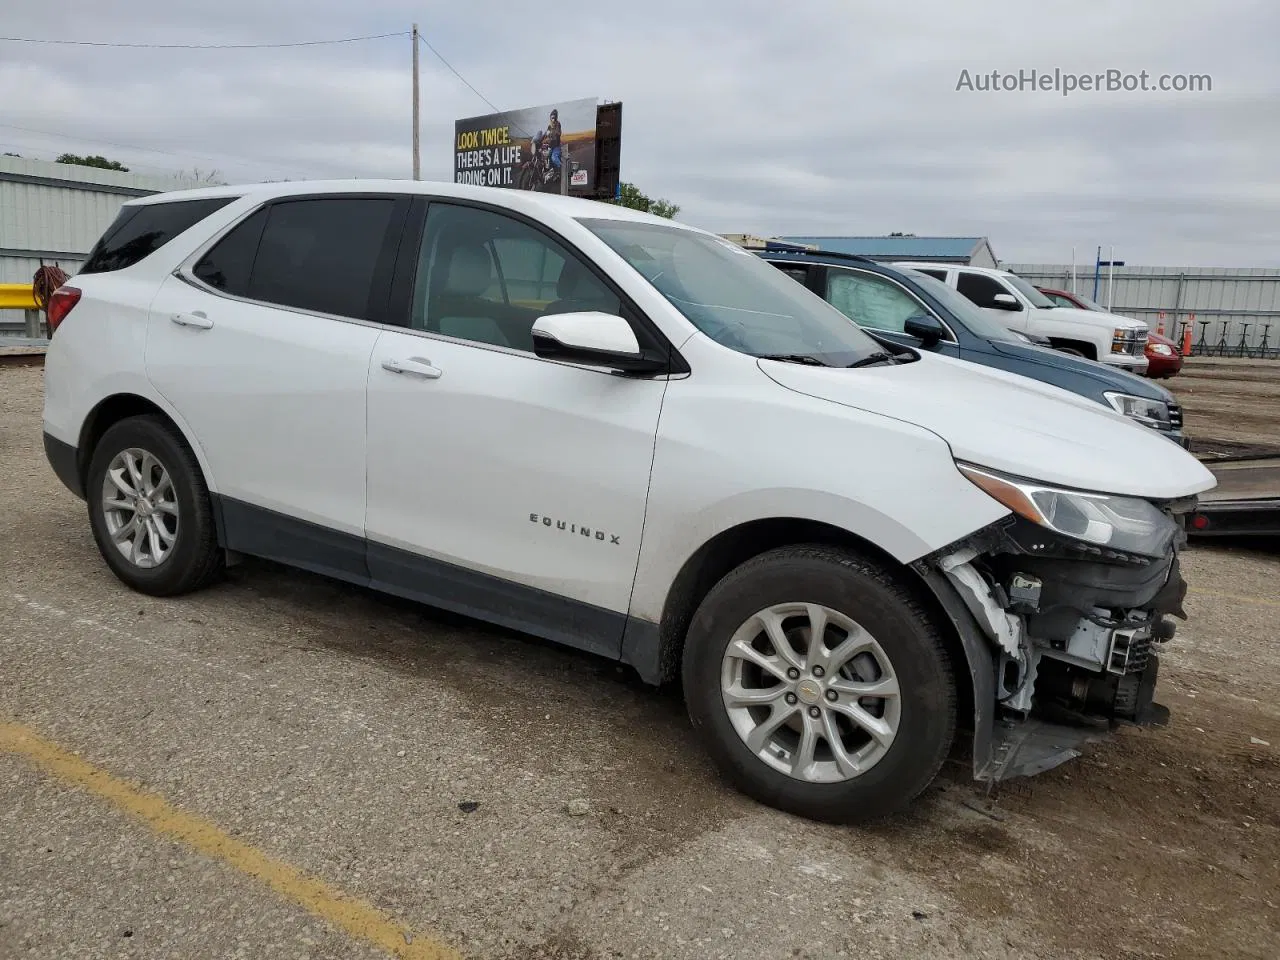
x: 206, y: 46
x: 492, y: 105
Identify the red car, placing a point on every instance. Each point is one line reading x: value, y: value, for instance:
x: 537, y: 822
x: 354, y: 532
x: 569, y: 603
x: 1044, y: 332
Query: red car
x: 1163, y: 356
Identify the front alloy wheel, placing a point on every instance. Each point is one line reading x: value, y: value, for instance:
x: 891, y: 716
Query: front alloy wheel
x: 818, y: 680
x: 810, y: 692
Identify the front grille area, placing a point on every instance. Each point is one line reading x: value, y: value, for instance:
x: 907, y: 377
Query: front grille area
x: 1175, y: 416
x: 1131, y: 343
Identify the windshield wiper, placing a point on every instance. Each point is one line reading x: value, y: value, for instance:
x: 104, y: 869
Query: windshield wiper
x: 871, y: 360
x: 794, y: 358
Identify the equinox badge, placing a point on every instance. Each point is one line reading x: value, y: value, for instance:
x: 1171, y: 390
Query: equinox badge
x: 574, y: 528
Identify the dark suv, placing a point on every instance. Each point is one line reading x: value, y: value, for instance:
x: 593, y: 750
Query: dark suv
x: 907, y: 307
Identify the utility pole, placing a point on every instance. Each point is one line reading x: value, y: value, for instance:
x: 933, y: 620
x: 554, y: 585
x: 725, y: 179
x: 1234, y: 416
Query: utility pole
x: 417, y: 156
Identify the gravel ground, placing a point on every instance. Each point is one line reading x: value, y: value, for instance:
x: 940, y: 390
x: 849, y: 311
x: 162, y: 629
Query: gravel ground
x: 1231, y: 405
x: 339, y: 731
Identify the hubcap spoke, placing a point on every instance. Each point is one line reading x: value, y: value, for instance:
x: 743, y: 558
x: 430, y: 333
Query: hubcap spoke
x: 804, y: 755
x: 740, y: 696
x: 117, y: 478
x: 761, y: 734
x: 816, y: 655
x: 886, y: 686
x: 831, y: 733
x: 858, y: 641
x: 161, y: 538
x: 134, y: 471
x: 772, y: 665
x: 127, y: 530
x: 111, y: 503
x: 879, y: 730
x: 150, y: 466
x: 772, y: 624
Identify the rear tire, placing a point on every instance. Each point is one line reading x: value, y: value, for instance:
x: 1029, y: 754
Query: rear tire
x: 889, y: 748
x: 150, y: 510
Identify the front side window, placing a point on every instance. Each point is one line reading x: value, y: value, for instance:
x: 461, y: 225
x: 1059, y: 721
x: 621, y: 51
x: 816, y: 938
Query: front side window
x: 980, y: 288
x: 871, y: 301
x: 1034, y: 296
x: 965, y: 312
x: 139, y: 230
x: 486, y: 277
x: 735, y: 297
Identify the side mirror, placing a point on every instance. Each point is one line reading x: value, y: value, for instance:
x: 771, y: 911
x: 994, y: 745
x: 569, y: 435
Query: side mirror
x: 926, y: 329
x: 1005, y: 301
x: 590, y: 337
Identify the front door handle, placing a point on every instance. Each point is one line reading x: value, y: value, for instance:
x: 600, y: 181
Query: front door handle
x: 195, y: 319
x: 419, y: 367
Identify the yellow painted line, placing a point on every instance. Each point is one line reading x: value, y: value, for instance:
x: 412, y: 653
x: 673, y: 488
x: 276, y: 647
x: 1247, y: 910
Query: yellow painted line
x: 355, y: 916
x: 1211, y: 595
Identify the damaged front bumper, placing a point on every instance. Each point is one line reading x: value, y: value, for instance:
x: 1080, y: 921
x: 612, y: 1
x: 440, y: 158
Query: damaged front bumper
x: 1060, y: 638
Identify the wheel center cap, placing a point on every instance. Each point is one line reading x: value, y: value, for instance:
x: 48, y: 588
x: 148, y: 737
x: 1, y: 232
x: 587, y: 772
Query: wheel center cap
x: 809, y: 692
x: 144, y: 508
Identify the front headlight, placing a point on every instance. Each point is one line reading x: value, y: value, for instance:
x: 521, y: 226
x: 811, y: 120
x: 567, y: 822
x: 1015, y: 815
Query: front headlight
x: 1152, y: 413
x: 1162, y: 349
x: 1126, y: 524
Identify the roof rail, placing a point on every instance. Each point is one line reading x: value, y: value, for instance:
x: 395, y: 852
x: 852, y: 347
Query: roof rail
x: 833, y: 254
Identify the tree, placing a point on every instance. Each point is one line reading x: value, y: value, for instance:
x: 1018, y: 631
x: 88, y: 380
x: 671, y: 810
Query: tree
x: 898, y: 234
x: 98, y: 161
x: 629, y: 195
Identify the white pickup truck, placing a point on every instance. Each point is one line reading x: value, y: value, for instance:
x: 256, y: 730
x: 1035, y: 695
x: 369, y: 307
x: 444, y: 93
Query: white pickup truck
x: 1015, y: 303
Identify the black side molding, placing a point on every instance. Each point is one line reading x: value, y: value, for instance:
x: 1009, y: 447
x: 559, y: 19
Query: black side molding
x: 249, y: 529
x: 63, y: 458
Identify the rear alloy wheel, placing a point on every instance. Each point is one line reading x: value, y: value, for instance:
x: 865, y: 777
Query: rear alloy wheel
x: 819, y: 684
x: 150, y: 509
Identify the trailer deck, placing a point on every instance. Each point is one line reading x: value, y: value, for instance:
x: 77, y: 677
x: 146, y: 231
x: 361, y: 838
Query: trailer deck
x: 1246, y: 500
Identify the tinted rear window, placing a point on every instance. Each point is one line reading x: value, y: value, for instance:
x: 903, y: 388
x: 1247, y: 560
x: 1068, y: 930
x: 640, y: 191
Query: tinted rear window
x: 139, y: 231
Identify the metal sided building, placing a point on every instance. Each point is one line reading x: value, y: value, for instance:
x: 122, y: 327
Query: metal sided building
x: 54, y: 212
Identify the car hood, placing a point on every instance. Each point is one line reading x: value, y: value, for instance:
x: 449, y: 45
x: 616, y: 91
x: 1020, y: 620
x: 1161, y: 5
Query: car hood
x: 1106, y: 377
x: 1010, y: 423
x: 1093, y: 318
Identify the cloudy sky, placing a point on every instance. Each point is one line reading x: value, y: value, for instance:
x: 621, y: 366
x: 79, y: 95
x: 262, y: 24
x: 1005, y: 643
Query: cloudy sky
x: 816, y: 117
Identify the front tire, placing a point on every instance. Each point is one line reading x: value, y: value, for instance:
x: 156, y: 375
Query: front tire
x: 150, y: 510
x: 820, y: 685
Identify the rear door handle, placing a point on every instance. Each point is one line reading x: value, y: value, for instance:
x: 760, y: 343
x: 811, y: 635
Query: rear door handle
x: 419, y: 367
x: 195, y: 319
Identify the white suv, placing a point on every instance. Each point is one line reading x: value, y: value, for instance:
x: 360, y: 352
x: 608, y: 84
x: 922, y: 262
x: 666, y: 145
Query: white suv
x: 632, y: 437
x: 1016, y: 304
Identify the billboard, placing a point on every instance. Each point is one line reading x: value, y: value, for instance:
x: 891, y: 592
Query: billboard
x: 552, y: 148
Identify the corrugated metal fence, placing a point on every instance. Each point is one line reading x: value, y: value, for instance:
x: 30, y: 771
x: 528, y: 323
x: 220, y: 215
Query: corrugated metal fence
x: 1232, y: 312
x: 53, y: 212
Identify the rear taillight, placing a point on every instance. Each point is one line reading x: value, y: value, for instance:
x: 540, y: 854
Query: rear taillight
x: 60, y: 304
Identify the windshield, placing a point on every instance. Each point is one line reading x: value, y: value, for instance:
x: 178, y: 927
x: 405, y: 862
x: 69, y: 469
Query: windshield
x: 734, y: 297
x: 966, y: 311
x: 1037, y: 299
x: 1090, y: 304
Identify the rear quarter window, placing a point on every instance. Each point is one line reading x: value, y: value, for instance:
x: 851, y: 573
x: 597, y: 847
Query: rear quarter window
x: 140, y: 230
